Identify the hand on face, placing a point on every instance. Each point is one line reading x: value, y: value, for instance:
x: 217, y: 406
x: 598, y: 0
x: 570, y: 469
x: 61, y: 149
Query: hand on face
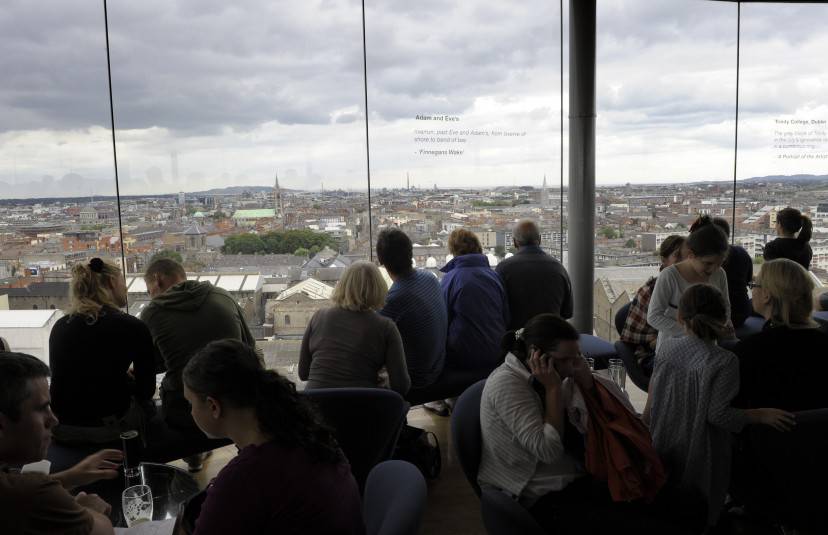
x: 543, y: 370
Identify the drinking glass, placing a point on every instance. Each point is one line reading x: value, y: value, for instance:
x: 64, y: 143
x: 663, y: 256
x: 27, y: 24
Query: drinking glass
x: 618, y: 373
x: 132, y: 447
x: 137, y: 504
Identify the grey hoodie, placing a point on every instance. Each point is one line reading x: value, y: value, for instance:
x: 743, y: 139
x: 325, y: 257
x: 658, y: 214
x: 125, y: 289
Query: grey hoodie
x: 187, y: 317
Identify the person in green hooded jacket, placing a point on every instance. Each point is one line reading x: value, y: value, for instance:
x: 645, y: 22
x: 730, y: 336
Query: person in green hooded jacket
x: 183, y: 317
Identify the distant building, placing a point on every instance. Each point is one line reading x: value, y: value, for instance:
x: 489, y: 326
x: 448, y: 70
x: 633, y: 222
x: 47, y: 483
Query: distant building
x: 252, y: 217
x: 38, y: 296
x: 195, y: 239
x: 293, y: 309
x: 27, y: 331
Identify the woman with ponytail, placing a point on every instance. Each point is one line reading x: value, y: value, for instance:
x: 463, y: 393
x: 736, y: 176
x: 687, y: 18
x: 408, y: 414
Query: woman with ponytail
x: 102, y: 360
x: 545, y: 438
x: 289, y: 475
x: 689, y: 405
x: 794, y: 230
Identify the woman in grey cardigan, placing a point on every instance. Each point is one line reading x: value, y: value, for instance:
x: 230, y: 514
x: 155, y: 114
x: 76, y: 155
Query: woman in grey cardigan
x: 350, y: 344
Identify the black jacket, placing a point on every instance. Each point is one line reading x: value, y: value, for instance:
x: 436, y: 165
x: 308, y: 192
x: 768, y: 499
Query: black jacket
x: 535, y: 283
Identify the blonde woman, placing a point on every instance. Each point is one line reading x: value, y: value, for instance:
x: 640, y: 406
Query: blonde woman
x: 349, y: 344
x: 781, y: 366
x: 102, y: 363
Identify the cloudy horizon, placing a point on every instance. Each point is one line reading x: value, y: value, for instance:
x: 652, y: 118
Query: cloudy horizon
x: 209, y: 94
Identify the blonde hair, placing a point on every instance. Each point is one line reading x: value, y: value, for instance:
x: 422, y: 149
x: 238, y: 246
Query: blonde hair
x: 790, y: 292
x: 361, y: 288
x: 90, y: 288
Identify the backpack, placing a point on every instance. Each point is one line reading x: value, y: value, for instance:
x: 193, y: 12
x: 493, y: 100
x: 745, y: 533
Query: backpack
x: 420, y: 448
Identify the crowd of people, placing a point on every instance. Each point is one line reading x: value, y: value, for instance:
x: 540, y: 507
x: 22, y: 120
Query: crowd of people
x: 564, y: 441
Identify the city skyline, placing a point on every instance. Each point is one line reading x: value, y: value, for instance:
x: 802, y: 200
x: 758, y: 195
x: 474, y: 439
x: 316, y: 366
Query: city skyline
x: 212, y: 108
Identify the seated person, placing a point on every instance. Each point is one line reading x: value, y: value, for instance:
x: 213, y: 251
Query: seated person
x: 33, y: 503
x: 349, y: 344
x: 183, y: 317
x: 478, y: 308
x: 693, y: 384
x: 704, y: 255
x: 637, y: 331
x: 779, y: 364
x: 415, y: 303
x: 535, y: 281
x: 289, y: 476
x: 103, y: 369
x: 536, y: 425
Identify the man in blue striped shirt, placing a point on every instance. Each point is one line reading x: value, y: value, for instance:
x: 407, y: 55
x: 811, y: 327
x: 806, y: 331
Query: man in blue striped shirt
x: 415, y: 303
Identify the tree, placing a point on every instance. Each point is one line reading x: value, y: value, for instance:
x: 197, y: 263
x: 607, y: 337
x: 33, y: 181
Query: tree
x: 278, y: 242
x: 244, y: 244
x: 313, y: 250
x: 500, y: 251
x: 167, y: 253
x: 630, y: 244
x: 301, y: 252
x: 608, y: 232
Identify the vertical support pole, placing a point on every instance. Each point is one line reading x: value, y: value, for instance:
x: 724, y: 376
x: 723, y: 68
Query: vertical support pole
x: 581, y: 229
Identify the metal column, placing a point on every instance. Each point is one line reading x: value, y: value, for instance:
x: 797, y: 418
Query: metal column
x: 581, y: 230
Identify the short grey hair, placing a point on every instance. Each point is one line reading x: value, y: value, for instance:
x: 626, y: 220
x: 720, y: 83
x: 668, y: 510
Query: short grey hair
x: 526, y: 232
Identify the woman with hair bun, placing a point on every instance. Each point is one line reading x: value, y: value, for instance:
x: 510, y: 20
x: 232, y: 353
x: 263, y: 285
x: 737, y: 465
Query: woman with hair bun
x: 689, y: 405
x: 289, y: 475
x: 794, y: 230
x: 102, y: 360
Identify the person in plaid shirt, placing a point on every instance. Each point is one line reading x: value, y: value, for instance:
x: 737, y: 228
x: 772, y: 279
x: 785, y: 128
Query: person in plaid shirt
x: 637, y: 331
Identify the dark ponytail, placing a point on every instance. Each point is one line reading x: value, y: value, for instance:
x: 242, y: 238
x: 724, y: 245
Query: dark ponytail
x: 544, y: 332
x: 792, y: 221
x: 806, y: 230
x: 702, y: 309
x: 231, y: 372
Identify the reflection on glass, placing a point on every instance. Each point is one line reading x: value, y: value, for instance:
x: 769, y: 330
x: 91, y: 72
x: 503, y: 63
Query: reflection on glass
x: 666, y: 75
x: 57, y: 193
x: 464, y: 105
x: 783, y: 130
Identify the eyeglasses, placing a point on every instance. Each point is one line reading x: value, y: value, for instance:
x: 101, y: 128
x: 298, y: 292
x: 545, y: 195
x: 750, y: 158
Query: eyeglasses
x: 753, y: 285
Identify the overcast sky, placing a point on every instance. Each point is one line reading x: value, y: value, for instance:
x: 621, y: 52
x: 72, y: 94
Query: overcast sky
x: 240, y: 90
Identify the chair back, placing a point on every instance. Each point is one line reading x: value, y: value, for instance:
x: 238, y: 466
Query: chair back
x: 502, y: 515
x: 466, y: 434
x: 366, y: 422
x: 395, y: 499
x: 783, y: 474
x: 621, y: 317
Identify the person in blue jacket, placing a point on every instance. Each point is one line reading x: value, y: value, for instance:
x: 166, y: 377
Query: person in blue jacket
x: 478, y: 308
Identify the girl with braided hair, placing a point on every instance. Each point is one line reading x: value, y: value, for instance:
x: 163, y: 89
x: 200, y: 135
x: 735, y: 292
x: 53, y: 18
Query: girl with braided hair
x: 289, y: 476
x: 689, y: 405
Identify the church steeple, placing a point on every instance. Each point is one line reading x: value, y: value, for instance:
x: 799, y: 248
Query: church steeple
x: 278, y: 206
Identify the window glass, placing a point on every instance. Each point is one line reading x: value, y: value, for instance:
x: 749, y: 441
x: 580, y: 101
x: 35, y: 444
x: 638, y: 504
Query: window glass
x: 214, y: 100
x: 783, y: 124
x: 464, y: 102
x: 57, y: 188
x: 666, y: 94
